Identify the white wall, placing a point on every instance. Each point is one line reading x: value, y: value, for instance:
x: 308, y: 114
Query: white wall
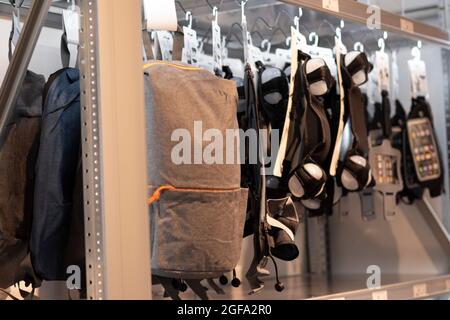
x: 46, y: 58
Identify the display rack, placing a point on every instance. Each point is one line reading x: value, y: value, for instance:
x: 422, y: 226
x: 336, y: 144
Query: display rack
x: 117, y: 226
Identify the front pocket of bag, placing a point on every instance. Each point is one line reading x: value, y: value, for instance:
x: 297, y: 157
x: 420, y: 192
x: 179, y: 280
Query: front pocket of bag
x: 197, y: 232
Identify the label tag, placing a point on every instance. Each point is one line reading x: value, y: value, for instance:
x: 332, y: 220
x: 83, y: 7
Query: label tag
x: 380, y: 295
x: 165, y: 40
x: 383, y: 71
x: 407, y: 26
x: 17, y: 29
x: 217, y: 46
x: 332, y: 5
x: 419, y: 81
x: 395, y: 76
x: 71, y: 23
x: 160, y: 15
x: 190, y: 51
x: 420, y: 290
x: 283, y: 57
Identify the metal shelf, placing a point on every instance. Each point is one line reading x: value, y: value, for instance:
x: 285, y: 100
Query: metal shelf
x: 396, y: 287
x: 349, y: 10
x: 357, y: 12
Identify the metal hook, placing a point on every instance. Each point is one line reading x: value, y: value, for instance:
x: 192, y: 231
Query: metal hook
x: 358, y: 47
x: 416, y: 51
x: 265, y: 44
x: 313, y: 36
x: 189, y: 18
x: 382, y: 42
x: 264, y: 21
x: 243, y: 17
x: 216, y: 14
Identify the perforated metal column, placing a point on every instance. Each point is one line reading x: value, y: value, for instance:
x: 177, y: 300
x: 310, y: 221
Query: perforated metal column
x: 116, y: 215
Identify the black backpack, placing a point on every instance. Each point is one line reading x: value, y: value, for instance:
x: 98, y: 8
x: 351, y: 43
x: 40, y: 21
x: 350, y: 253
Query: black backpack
x: 17, y: 162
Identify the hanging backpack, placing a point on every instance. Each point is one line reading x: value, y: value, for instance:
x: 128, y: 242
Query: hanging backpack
x: 57, y: 236
x: 355, y: 173
x: 18, y: 155
x: 197, y: 207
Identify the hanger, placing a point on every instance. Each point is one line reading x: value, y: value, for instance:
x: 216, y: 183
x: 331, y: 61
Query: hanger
x: 189, y: 19
x: 358, y: 46
x: 416, y: 51
x: 382, y: 42
x: 217, y: 50
x: 313, y: 36
x: 16, y: 27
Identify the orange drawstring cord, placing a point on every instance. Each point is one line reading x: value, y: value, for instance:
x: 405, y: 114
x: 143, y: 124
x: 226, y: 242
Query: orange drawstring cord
x: 157, y: 194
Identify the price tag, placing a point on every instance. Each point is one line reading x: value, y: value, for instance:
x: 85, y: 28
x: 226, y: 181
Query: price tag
x: 406, y: 25
x: 217, y: 46
x: 380, y: 295
x: 420, y: 290
x: 332, y: 5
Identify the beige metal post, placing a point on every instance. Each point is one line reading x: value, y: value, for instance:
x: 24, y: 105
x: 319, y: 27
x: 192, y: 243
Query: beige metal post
x: 126, y: 238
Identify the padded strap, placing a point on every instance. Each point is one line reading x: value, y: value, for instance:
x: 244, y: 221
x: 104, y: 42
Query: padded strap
x: 178, y: 44
x: 360, y: 173
x: 169, y: 289
x: 198, y: 288
x: 355, y: 103
x: 321, y: 74
x: 148, y: 47
x: 215, y: 287
x: 386, y: 114
x: 316, y: 129
x: 359, y: 63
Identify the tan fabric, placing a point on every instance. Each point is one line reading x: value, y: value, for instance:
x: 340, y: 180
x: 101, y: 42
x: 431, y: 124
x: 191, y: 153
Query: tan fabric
x: 197, y: 229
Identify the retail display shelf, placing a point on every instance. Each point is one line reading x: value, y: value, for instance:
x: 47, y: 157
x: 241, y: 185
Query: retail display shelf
x: 343, y: 9
x: 393, y: 287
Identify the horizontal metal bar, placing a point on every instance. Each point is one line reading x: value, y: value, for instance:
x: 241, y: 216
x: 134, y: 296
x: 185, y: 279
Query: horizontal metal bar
x: 357, y: 12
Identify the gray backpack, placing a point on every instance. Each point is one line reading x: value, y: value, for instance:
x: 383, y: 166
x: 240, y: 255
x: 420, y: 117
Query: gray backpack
x: 197, y: 208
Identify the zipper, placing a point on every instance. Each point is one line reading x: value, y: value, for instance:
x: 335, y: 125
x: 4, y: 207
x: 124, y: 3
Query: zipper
x: 157, y: 194
x: 164, y: 63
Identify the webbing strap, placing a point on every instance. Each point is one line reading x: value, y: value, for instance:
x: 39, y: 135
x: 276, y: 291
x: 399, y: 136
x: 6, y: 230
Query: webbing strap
x: 355, y: 102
